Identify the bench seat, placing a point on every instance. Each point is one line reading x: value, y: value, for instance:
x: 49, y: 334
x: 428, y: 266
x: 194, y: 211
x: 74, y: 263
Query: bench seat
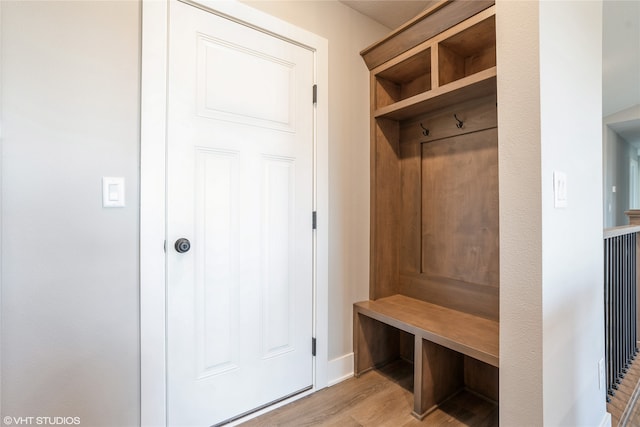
x: 442, y: 339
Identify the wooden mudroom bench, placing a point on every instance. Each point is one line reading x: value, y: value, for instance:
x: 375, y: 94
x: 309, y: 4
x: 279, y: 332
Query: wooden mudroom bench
x: 452, y: 350
x: 434, y: 282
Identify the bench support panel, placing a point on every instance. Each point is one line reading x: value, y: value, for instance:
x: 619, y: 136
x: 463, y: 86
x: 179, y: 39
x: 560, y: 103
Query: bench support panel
x: 438, y: 374
x: 375, y: 343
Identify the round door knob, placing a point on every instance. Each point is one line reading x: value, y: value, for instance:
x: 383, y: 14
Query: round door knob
x: 182, y: 245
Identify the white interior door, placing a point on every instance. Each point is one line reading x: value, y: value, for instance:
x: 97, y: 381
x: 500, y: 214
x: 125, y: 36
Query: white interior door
x: 240, y: 181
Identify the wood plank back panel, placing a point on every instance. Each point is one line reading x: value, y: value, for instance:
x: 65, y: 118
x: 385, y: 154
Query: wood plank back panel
x: 423, y: 27
x: 410, y: 246
x: 460, y: 208
x: 451, y: 208
x: 483, y: 301
x: 478, y: 114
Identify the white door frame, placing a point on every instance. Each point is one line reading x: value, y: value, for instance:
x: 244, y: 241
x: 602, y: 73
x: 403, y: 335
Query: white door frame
x: 153, y: 141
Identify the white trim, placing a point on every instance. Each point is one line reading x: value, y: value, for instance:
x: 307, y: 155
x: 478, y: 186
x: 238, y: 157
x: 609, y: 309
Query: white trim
x: 1, y: 198
x: 606, y: 420
x: 152, y: 213
x: 152, y: 197
x: 340, y: 369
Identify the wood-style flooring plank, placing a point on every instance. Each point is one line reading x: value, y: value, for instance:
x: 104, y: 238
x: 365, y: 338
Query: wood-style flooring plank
x: 623, y: 400
x: 379, y: 398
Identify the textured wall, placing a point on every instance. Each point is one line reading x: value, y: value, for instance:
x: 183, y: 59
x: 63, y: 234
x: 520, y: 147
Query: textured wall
x: 521, y: 400
x: 70, y: 115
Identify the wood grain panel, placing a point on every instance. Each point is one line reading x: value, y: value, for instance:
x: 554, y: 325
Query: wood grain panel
x: 481, y: 378
x: 482, y: 60
x: 426, y: 25
x: 483, y: 301
x: 468, y: 52
x: 478, y: 114
x: 410, y: 245
x: 410, y: 69
x: 441, y: 375
x: 375, y: 343
x: 451, y: 65
x: 465, y: 333
x: 472, y: 87
x: 416, y: 86
x: 384, y: 260
x: 460, y: 208
x: 387, y: 92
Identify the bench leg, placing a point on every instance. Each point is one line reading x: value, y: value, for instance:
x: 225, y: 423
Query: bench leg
x: 438, y: 375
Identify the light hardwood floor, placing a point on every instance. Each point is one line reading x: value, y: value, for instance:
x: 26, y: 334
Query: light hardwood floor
x: 626, y: 397
x: 378, y: 398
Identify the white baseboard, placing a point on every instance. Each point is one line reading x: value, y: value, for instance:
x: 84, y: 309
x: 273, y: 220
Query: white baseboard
x: 606, y: 420
x: 340, y: 369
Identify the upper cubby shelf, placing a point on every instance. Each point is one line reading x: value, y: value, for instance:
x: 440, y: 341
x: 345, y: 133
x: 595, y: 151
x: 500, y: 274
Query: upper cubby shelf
x: 477, y: 85
x: 454, y: 66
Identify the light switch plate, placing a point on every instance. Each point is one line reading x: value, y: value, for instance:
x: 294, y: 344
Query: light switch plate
x: 112, y: 192
x: 560, y: 190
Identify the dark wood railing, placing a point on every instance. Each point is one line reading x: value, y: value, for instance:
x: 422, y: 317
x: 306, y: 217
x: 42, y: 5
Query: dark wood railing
x: 620, y: 303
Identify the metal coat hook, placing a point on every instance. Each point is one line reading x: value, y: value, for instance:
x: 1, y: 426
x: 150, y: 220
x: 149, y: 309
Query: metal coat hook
x: 460, y: 123
x: 425, y: 131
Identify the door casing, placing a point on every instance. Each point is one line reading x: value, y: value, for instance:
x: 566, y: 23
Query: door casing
x: 153, y: 140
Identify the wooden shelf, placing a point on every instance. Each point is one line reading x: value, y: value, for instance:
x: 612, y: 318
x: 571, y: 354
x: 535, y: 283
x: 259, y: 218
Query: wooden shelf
x: 471, y: 87
x: 465, y: 333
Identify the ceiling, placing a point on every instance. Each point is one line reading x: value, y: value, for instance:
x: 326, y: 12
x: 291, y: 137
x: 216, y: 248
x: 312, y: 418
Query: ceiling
x: 390, y: 13
x: 620, y: 47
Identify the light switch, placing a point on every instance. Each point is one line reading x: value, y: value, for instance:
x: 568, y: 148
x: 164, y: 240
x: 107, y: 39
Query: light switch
x: 560, y: 190
x: 112, y: 192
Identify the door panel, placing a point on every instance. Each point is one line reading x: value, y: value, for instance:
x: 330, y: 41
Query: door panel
x: 240, y: 181
x: 216, y: 260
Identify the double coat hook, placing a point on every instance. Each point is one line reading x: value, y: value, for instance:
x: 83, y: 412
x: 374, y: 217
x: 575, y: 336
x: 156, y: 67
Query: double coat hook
x: 459, y: 125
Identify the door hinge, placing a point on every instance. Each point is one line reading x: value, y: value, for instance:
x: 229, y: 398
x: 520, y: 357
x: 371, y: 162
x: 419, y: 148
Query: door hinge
x: 313, y: 346
x: 165, y: 246
x: 315, y: 94
x: 314, y: 220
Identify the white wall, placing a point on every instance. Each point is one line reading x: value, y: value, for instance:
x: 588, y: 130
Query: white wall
x: 571, y: 141
x: 70, y: 104
x: 552, y: 334
x: 348, y: 32
x: 70, y: 115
